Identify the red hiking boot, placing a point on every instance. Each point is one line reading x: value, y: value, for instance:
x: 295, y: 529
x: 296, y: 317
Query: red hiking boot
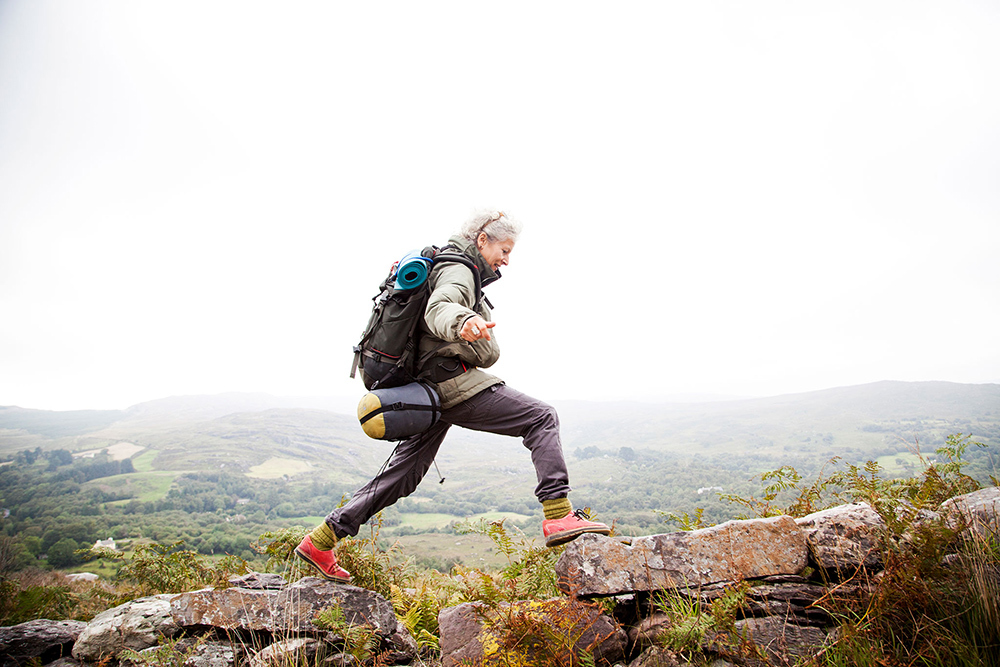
x: 558, y: 531
x: 324, y: 561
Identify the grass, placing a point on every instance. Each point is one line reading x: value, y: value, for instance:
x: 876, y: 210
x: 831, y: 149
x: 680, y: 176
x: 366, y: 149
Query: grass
x: 421, y: 521
x: 470, y: 550
x: 146, y: 486
x: 512, y: 517
x: 276, y: 467
x: 144, y: 462
x: 900, y: 463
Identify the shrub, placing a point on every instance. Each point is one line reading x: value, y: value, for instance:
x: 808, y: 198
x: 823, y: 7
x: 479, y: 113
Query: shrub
x: 158, y: 568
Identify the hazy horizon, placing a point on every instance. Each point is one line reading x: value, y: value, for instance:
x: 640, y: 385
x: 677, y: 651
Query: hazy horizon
x: 347, y: 404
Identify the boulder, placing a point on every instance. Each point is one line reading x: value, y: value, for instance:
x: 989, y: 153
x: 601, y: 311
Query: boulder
x: 845, y: 538
x: 645, y: 633
x: 40, y: 640
x: 732, y: 551
x: 473, y: 633
x: 292, y: 610
x: 292, y: 651
x: 136, y: 625
x: 197, y: 652
x: 978, y: 512
x: 657, y: 656
x: 792, y: 600
x: 259, y: 581
x: 459, y: 628
x: 779, y: 642
x: 65, y: 662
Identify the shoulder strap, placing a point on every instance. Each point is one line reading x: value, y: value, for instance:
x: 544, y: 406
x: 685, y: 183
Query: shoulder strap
x: 449, y: 254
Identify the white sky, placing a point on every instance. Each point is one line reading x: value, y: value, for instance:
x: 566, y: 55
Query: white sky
x: 719, y: 197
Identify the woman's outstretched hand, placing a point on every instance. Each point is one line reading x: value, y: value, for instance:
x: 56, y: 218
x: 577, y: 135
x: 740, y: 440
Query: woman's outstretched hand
x: 475, y: 328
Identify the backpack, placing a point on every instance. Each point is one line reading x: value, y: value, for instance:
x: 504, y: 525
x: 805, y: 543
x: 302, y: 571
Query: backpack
x: 387, y: 352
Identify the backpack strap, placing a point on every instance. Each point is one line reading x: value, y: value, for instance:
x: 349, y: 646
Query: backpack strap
x: 449, y: 254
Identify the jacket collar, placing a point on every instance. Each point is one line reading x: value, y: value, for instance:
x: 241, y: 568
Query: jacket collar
x: 468, y: 248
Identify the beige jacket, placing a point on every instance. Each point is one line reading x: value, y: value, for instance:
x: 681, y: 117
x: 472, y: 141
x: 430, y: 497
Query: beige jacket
x: 453, y: 295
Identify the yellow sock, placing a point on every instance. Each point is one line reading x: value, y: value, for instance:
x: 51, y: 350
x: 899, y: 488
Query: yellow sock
x: 323, y: 537
x: 557, y: 508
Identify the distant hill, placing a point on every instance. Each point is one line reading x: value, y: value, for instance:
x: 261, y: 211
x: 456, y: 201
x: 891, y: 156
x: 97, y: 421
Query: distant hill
x: 52, y: 424
x: 243, y: 430
x: 295, y: 457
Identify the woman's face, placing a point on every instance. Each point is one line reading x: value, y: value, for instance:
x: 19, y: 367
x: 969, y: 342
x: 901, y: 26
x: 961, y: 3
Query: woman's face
x: 496, y: 253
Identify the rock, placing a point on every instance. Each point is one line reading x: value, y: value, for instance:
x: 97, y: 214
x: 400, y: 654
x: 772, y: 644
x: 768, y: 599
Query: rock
x: 732, y: 551
x: 83, y: 576
x: 476, y: 634
x: 788, y: 600
x: 644, y: 634
x: 291, y: 610
x: 293, y: 651
x: 197, y: 652
x: 782, y: 642
x: 459, y: 629
x: 657, y: 656
x: 40, y: 640
x: 259, y: 581
x: 400, y: 645
x: 65, y: 662
x: 845, y: 538
x: 137, y: 625
x: 978, y: 512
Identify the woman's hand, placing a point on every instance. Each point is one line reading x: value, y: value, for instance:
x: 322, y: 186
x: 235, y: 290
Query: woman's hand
x: 475, y: 328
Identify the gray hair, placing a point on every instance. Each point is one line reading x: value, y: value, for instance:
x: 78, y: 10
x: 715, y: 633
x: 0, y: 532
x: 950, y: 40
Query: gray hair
x: 496, y: 225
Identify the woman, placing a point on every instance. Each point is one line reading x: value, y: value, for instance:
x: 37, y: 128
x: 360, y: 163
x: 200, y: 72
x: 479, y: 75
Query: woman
x: 457, y: 343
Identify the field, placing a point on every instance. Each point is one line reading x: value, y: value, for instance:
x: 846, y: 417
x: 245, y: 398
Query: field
x: 276, y: 467
x: 142, y: 486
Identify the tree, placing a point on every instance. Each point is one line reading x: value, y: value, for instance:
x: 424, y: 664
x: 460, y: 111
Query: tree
x: 63, y: 553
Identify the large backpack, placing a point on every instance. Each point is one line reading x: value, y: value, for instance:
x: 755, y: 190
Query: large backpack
x: 388, y: 351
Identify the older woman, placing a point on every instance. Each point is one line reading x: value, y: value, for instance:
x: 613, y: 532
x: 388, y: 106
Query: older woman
x: 457, y: 342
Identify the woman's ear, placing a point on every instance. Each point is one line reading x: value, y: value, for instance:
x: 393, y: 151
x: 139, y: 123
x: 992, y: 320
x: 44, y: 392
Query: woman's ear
x: 481, y: 241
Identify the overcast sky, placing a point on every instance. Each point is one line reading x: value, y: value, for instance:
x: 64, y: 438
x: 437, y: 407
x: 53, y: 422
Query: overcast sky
x: 724, y: 198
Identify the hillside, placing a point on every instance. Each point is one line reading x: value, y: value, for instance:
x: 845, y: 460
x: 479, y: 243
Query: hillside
x: 255, y: 462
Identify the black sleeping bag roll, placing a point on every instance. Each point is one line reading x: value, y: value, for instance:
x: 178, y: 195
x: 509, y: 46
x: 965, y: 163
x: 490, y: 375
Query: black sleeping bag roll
x: 399, y: 412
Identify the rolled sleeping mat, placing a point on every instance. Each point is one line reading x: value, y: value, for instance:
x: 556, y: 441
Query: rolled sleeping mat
x: 412, y: 270
x: 399, y: 412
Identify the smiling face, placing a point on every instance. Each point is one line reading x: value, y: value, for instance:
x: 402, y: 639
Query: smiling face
x: 496, y: 253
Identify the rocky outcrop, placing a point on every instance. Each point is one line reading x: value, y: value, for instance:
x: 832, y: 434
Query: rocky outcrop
x: 134, y: 625
x: 732, y: 551
x: 203, y: 651
x: 269, y: 625
x: 845, y: 538
x: 40, y: 641
x: 289, y: 610
x: 776, y: 578
x: 977, y: 512
x: 474, y: 634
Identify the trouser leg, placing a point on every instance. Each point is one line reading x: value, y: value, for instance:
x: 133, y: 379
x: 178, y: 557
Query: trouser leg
x: 506, y: 411
x: 409, y: 463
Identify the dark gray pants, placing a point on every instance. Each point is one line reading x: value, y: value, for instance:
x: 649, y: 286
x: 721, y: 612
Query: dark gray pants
x: 500, y: 410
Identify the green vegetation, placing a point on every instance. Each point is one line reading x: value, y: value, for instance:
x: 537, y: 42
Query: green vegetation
x: 188, y: 501
x: 918, y: 612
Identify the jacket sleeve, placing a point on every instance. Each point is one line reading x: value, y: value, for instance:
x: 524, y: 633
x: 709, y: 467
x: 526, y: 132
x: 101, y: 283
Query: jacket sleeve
x: 453, y: 294
x: 452, y: 297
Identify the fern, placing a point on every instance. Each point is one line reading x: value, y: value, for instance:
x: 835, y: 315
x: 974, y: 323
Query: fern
x: 530, y: 569
x: 360, y: 641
